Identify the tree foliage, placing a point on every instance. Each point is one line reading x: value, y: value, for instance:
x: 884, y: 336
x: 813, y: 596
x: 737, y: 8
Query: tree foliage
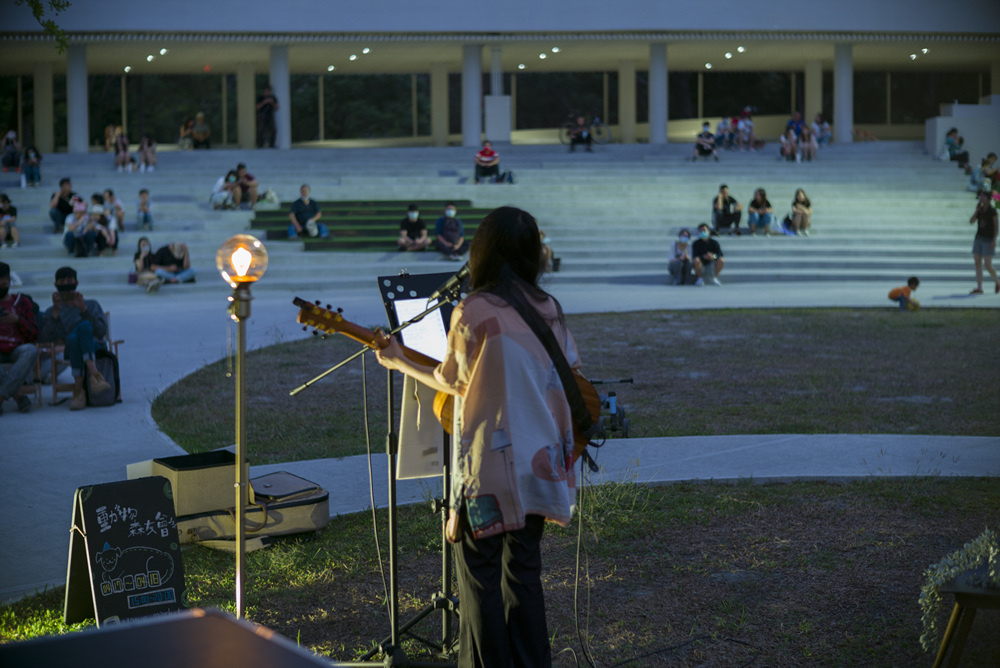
x: 39, y: 9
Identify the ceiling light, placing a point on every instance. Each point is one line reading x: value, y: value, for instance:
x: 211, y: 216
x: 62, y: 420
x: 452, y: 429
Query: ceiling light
x: 149, y: 58
x: 708, y: 66
x: 354, y: 56
x: 520, y: 66
x: 728, y: 55
x: 542, y: 56
x: 740, y: 49
x: 555, y: 49
x: 913, y: 56
x: 365, y: 50
x: 163, y: 52
x: 924, y: 51
x: 330, y: 68
x: 128, y: 68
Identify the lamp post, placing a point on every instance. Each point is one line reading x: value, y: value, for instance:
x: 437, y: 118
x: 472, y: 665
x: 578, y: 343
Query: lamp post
x: 241, y: 260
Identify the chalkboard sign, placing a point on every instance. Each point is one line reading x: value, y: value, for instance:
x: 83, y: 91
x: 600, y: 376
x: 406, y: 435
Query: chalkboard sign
x: 124, y: 556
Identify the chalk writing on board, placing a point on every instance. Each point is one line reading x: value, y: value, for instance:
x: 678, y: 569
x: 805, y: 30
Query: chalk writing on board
x: 134, y: 569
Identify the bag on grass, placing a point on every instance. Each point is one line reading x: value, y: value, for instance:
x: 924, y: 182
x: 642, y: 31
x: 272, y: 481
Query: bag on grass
x: 107, y: 366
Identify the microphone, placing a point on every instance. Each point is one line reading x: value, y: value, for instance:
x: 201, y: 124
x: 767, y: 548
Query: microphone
x: 450, y: 287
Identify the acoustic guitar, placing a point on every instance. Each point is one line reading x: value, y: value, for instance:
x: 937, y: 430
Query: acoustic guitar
x: 332, y: 322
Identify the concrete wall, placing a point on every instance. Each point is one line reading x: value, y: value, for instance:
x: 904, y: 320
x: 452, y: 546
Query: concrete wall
x: 262, y: 16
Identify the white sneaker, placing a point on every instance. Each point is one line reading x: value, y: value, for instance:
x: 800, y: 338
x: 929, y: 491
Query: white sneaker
x: 150, y: 168
x: 716, y: 281
x: 700, y: 282
x: 805, y: 232
x: 142, y: 168
x: 121, y: 169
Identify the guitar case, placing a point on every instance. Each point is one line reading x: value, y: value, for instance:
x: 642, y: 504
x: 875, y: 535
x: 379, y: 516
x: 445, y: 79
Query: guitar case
x: 280, y: 504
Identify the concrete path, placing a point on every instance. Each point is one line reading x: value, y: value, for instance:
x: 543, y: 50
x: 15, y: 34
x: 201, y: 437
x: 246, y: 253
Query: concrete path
x: 48, y: 453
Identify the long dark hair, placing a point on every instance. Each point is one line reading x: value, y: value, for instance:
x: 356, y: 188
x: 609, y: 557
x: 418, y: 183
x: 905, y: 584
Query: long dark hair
x: 505, y: 260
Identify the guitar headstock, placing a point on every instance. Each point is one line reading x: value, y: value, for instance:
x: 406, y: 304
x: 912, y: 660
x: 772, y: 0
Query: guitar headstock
x: 331, y: 321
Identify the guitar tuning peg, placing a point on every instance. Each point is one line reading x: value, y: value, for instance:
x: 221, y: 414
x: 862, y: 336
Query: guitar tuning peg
x: 327, y: 307
x: 340, y: 310
x: 315, y: 333
x: 317, y: 302
x: 304, y: 328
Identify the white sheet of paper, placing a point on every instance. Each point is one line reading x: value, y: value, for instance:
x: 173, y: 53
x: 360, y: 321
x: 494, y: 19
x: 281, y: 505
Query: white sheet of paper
x: 427, y: 336
x: 421, y: 437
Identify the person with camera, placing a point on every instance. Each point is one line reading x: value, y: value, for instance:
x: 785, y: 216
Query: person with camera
x: 79, y: 323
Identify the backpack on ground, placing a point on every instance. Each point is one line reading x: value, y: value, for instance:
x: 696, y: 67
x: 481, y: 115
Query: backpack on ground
x: 507, y: 177
x: 107, y: 366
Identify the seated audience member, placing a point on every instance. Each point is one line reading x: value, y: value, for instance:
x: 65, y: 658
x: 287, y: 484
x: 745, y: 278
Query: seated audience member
x: 247, y: 187
x: 821, y: 129
x: 412, y: 231
x: 185, y: 141
x: 61, y: 204
x: 109, y: 137
x: 10, y: 151
x: 761, y: 213
x: 106, y: 237
x: 744, y: 131
x: 449, y: 233
x: 796, y: 124
x: 304, y: 217
x: 956, y: 148
x: 31, y: 165
x: 18, y: 332
x: 987, y: 170
x: 680, y: 258
x: 201, y: 133
x: 903, y: 295
x: 79, y: 323
x: 80, y: 236
x: 801, y: 213
x: 225, y: 191
x: 807, y: 144
x: 142, y: 265
x: 145, y: 221
x: 147, y: 153
x: 115, y: 209
x: 123, y: 159
x: 726, y: 211
x: 704, y: 143
x: 8, y: 223
x: 706, y: 256
x: 789, y: 145
x: 172, y: 264
x: 579, y: 133
x: 487, y: 163
x: 550, y: 262
x: 725, y: 133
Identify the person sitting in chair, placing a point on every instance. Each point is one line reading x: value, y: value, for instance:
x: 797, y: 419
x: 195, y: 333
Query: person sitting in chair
x: 18, y: 331
x: 487, y: 163
x: 79, y: 323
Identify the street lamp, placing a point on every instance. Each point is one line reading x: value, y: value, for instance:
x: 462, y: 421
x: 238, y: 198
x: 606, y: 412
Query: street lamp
x: 241, y: 260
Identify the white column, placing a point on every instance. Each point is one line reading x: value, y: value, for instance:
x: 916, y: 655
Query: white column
x: 843, y: 94
x: 246, y: 116
x: 658, y: 107
x: 44, y: 123
x: 225, y: 111
x: 472, y: 94
x: 282, y: 89
x: 626, y: 101
x: 77, y: 113
x: 498, y: 105
x: 439, y: 104
x: 496, y: 70
x: 814, y: 90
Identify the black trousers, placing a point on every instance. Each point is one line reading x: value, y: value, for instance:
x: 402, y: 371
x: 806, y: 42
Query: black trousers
x: 500, y: 599
x: 723, y: 219
x: 482, y: 172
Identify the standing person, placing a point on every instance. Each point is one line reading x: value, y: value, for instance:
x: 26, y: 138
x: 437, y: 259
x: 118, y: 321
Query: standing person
x: 79, y: 322
x: 801, y: 212
x: 726, y: 211
x: 903, y: 295
x: 18, y: 332
x: 450, y: 233
x: 172, y: 264
x: 304, y: 217
x: 680, y: 258
x: 707, y: 257
x: 761, y: 213
x: 413, y: 231
x: 8, y: 223
x: 267, y: 131
x: 201, y: 133
x: 61, y: 204
x: 487, y: 163
x: 984, y: 246
x: 145, y: 221
x: 515, y: 445
x: 147, y: 153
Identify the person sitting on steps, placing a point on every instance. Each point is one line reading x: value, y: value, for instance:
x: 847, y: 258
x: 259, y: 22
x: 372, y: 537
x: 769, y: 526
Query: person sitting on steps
x: 412, y: 231
x: 487, y: 163
x: 79, y: 323
x: 18, y: 332
x: 580, y: 134
x: 707, y: 257
x: 704, y: 144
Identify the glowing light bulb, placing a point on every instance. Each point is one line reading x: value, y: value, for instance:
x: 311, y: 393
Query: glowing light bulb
x: 241, y: 261
x: 740, y: 49
x: 729, y: 55
x: 149, y: 58
x: 163, y: 52
x: 555, y: 49
x: 543, y: 56
x: 520, y: 66
x: 708, y: 66
x: 354, y: 56
x: 330, y: 68
x: 365, y: 50
x: 128, y: 68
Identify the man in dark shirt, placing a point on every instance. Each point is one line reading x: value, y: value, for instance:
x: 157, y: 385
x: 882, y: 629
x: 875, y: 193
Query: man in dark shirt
x: 726, y: 211
x: 706, y: 256
x: 704, y: 143
x: 304, y: 217
x: 450, y: 233
x: 267, y: 104
x: 61, y: 204
x: 412, y: 231
x: 172, y: 264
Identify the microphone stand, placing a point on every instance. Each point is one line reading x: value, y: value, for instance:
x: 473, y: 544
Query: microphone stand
x: 390, y: 646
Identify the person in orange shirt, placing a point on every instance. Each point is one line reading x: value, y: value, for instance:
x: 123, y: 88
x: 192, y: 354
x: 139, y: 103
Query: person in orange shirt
x: 903, y: 293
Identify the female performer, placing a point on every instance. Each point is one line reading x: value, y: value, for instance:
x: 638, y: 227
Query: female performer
x: 515, y: 441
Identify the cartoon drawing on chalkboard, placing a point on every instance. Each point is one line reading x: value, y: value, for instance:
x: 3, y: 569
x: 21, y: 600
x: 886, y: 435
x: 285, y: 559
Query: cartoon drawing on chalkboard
x: 133, y: 568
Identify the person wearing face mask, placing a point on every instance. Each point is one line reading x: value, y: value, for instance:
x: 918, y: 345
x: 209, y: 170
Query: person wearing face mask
x: 450, y: 233
x: 412, y: 231
x: 680, y: 259
x: 304, y: 217
x: 707, y: 257
x: 79, y: 323
x: 18, y: 331
x: 222, y: 192
x: 143, y: 266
